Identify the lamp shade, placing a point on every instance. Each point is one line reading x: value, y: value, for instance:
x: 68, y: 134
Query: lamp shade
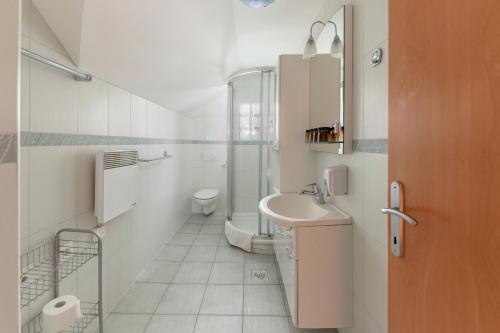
x: 337, y: 48
x: 310, y: 49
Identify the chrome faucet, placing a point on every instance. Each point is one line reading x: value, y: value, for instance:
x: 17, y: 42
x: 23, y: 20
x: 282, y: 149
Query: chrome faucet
x: 316, y: 193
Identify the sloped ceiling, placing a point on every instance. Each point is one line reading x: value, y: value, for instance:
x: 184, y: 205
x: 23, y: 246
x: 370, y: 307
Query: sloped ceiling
x: 177, y: 53
x: 65, y: 19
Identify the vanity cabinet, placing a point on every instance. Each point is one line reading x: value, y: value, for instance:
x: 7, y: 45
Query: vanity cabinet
x: 316, y: 268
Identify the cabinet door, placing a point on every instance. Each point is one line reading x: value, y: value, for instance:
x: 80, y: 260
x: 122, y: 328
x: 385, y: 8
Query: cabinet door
x: 324, y: 275
x: 284, y: 246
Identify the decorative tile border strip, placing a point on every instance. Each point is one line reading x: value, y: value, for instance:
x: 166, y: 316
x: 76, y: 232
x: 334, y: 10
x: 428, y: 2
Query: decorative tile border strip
x: 8, y: 148
x: 375, y: 146
x: 59, y: 139
x: 8, y: 142
x: 30, y: 139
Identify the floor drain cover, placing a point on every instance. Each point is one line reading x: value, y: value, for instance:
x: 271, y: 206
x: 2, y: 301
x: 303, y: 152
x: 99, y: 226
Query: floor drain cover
x: 259, y: 275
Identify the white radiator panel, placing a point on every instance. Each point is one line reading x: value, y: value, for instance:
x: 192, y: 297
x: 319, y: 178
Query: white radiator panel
x: 117, y: 175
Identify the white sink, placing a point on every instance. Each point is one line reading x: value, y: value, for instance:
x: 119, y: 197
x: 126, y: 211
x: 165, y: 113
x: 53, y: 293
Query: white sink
x: 297, y: 210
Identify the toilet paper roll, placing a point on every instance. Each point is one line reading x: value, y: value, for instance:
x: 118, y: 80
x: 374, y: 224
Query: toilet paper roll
x: 60, y: 313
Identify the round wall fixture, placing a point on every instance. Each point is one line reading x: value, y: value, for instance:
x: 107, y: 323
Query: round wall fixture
x: 257, y: 3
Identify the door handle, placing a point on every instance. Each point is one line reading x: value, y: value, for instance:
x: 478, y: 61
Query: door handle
x: 395, y: 211
x: 397, y: 216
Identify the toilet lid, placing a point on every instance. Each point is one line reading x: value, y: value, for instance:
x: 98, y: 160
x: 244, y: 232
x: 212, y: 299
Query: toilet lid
x: 206, y: 194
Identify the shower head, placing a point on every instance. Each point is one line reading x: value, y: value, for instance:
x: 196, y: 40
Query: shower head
x: 257, y: 3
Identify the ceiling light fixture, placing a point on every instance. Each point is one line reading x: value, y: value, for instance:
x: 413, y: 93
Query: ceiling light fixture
x: 336, y: 49
x: 257, y: 3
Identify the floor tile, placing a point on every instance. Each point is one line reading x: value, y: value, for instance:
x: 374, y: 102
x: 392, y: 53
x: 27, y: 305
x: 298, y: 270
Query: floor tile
x: 218, y: 324
x: 171, y: 323
x: 255, y: 257
x: 227, y: 273
x: 212, y: 229
x: 173, y: 253
x: 193, y: 272
x: 266, y: 324
x: 229, y: 254
x: 215, y: 219
x: 182, y: 299
x: 264, y: 300
x: 159, y: 272
x: 188, y: 228
x: 261, y: 273
x: 224, y: 242
x: 204, y: 239
x: 313, y: 330
x: 182, y: 239
x: 141, y: 298
x: 196, y: 219
x: 223, y: 300
x: 201, y: 254
x: 126, y: 323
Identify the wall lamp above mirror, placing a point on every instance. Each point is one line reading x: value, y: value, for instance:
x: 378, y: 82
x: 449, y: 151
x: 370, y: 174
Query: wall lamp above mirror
x: 336, y: 48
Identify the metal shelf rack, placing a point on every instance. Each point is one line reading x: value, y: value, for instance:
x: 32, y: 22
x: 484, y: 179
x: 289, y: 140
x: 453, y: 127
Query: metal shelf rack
x: 46, y: 266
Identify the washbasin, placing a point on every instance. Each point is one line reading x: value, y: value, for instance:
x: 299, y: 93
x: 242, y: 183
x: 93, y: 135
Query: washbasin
x: 295, y: 210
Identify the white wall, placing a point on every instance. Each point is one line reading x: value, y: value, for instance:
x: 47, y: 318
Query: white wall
x: 367, y: 172
x: 9, y: 110
x: 209, y: 124
x: 57, y: 182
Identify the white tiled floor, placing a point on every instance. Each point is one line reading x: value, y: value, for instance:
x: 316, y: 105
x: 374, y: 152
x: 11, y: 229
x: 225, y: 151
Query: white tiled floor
x: 200, y: 284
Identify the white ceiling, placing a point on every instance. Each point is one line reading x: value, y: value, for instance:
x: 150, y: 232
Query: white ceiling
x: 179, y: 53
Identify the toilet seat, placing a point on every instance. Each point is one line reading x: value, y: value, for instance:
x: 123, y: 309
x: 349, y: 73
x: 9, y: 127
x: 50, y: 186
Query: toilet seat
x: 206, y: 194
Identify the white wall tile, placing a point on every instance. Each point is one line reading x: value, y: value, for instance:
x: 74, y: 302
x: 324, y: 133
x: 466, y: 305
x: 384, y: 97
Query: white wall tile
x: 375, y: 174
x: 93, y: 107
x: 53, y: 186
x: 119, y: 112
x: 153, y: 118
x: 85, y: 178
x: 358, y: 100
x: 376, y: 98
x: 139, y: 118
x: 24, y: 176
x: 375, y: 23
x: 371, y: 326
x: 376, y: 288
x: 358, y: 28
x: 25, y: 94
x: 53, y: 100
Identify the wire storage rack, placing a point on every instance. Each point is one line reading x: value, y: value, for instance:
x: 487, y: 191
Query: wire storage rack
x: 46, y: 266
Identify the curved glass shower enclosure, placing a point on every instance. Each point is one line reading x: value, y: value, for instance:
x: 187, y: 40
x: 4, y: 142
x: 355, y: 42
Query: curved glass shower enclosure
x: 252, y: 119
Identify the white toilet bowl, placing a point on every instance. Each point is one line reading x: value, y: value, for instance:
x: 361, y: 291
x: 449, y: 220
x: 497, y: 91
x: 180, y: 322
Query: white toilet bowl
x: 207, y: 199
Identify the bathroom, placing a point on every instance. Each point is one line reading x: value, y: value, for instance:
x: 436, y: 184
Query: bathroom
x: 248, y: 166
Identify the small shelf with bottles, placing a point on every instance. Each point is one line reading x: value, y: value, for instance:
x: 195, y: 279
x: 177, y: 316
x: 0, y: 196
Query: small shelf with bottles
x: 325, y: 135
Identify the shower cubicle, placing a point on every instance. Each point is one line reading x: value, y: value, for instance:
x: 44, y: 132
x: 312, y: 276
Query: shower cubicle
x: 251, y: 148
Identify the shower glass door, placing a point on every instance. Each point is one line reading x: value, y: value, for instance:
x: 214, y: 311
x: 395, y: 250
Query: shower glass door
x: 251, y: 136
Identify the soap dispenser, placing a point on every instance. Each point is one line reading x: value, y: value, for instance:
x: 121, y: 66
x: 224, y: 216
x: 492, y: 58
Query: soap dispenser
x: 335, y: 180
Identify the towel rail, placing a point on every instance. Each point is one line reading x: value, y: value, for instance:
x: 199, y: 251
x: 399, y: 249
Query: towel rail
x: 79, y: 76
x: 164, y: 157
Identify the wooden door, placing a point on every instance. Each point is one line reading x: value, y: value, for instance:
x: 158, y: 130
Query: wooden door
x: 444, y: 147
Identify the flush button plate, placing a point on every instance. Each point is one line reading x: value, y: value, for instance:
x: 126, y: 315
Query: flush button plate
x: 396, y: 221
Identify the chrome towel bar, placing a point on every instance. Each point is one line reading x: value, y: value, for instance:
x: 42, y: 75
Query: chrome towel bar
x: 164, y: 157
x: 79, y: 76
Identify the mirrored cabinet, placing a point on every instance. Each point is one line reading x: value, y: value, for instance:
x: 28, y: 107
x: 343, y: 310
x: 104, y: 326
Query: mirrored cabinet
x: 329, y: 65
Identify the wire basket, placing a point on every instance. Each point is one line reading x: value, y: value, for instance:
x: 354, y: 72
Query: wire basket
x: 39, y: 270
x: 90, y: 312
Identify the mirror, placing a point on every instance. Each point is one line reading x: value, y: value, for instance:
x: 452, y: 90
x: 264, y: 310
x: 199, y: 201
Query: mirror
x: 330, y: 119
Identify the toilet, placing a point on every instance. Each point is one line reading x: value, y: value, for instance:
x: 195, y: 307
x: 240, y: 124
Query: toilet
x: 207, y: 199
